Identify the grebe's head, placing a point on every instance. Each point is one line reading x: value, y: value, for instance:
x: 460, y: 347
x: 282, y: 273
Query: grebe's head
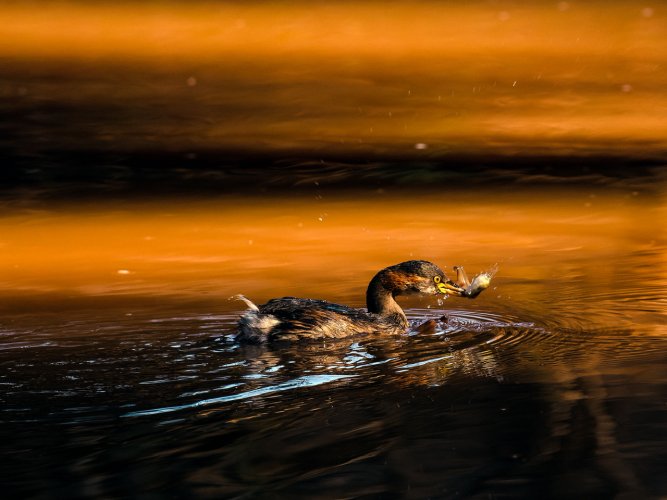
x: 418, y: 276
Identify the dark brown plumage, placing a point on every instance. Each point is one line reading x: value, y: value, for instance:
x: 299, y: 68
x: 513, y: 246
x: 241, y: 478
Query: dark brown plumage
x: 291, y: 318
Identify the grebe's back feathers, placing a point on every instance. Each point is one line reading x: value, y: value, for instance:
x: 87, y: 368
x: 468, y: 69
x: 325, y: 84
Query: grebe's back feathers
x: 291, y: 318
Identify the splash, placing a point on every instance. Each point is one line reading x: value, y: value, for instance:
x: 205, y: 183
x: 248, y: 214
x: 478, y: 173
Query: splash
x: 251, y: 305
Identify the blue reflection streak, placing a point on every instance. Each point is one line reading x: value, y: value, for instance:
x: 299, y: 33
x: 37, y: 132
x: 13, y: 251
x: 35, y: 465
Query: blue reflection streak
x: 305, y: 381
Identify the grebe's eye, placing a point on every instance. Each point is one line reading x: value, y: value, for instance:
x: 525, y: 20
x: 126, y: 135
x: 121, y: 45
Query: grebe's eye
x: 437, y: 279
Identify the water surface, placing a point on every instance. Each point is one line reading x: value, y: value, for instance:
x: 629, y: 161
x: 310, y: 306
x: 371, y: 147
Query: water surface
x: 159, y: 157
x: 120, y: 376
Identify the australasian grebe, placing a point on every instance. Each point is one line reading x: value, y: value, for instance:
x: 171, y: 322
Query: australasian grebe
x: 290, y: 318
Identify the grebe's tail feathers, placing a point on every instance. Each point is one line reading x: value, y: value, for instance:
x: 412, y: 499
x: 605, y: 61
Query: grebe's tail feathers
x: 251, y: 305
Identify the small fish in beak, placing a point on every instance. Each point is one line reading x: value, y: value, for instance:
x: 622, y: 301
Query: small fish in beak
x: 479, y: 283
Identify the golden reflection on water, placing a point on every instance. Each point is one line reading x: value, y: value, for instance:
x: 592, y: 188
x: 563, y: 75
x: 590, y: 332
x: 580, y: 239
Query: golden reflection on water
x: 587, y: 252
x: 213, y: 28
x: 365, y: 81
x: 551, y: 77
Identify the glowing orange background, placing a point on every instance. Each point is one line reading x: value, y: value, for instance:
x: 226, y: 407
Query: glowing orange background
x: 551, y: 77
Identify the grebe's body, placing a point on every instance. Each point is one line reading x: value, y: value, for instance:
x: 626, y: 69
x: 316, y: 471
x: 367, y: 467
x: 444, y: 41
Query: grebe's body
x: 291, y: 318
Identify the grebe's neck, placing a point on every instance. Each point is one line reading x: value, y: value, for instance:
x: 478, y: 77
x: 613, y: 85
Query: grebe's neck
x: 380, y: 300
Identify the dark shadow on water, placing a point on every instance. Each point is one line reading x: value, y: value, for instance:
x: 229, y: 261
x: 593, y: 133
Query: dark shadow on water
x: 65, y: 176
x: 479, y: 408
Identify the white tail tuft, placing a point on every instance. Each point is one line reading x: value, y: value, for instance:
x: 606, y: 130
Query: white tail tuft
x: 248, y: 302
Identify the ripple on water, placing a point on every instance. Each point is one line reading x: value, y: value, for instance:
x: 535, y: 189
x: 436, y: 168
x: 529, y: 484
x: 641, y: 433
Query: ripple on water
x: 173, y: 365
x: 471, y: 337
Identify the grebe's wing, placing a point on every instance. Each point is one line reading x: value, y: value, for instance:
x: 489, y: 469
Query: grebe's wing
x: 291, y: 318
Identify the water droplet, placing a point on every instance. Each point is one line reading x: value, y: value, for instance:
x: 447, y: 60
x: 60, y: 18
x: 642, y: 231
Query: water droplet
x: 191, y: 82
x: 647, y: 12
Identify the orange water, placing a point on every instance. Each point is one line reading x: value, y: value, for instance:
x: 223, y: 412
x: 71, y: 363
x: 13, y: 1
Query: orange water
x: 547, y: 77
x: 330, y: 246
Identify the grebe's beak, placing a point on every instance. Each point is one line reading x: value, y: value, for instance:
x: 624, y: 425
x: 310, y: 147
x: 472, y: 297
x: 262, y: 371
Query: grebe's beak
x: 449, y: 288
